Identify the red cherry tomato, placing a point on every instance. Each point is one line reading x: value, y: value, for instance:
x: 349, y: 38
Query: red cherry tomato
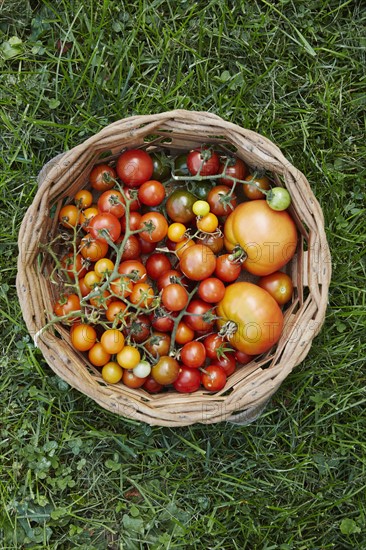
x: 174, y: 297
x: 198, y: 316
x: 279, y: 285
x: 151, y: 193
x: 193, y: 354
x: 214, y: 378
x: 219, y: 201
x: 151, y: 385
x: 135, y: 269
x: 112, y: 201
x: 203, y: 161
x: 132, y: 249
x: 227, y: 362
x: 198, y: 262
x: 155, y: 225
x: 134, y: 167
x: 211, y: 290
x: 243, y: 358
x: 236, y: 169
x: 188, y: 381
x: 103, y: 225
x: 215, y: 345
x: 102, y: 177
x: 227, y: 270
x: 157, y: 264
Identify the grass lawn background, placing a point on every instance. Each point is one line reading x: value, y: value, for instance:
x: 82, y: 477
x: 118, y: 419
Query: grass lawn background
x: 75, y: 476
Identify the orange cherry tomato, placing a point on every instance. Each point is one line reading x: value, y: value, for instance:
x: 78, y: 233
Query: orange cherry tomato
x: 128, y: 357
x: 98, y: 356
x: 83, y: 337
x: 83, y: 198
x: 112, y: 340
x: 142, y: 295
x: 93, y: 249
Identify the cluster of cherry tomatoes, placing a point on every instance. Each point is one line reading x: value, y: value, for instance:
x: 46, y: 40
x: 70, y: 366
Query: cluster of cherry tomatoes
x: 149, y: 261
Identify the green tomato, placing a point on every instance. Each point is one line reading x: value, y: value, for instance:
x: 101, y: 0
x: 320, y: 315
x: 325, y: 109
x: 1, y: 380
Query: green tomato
x: 161, y: 166
x: 201, y: 189
x: 278, y: 198
x: 179, y: 206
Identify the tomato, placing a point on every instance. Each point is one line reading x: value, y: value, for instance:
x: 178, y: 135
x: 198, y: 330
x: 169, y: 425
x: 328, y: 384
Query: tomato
x: 103, y: 267
x: 158, y: 344
x: 253, y: 190
x: 180, y: 165
x: 162, y: 321
x: 73, y: 265
x: 132, y: 197
x: 138, y: 328
x: 101, y: 300
x: 243, y: 358
x: 134, y: 222
x: 278, y: 198
x: 98, y: 356
x: 112, y: 340
x: 131, y: 249
x: 214, y: 378
x: 174, y: 297
x: 183, y: 245
x: 161, y: 166
x: 202, y: 189
x: 115, y: 311
x: 179, y: 206
x: 91, y: 280
x: 256, y: 317
x: 69, y: 216
x: 213, y: 241
x: 203, y: 161
x: 193, y: 354
x: 134, y: 167
x: 104, y: 227
x: 102, y: 177
x: 83, y: 288
x: 112, y: 201
x: 184, y: 333
x: 151, y: 385
x: 155, y: 225
x: 269, y: 238
x: 227, y: 362
x: 211, y: 290
x: 201, y: 208
x: 122, y: 286
x: 188, y: 380
x: 198, y: 262
x: 176, y: 232
x: 83, y: 337
x: 112, y: 373
x: 166, y: 370
x: 227, y: 270
x: 236, y: 168
x: 199, y: 316
x: 208, y: 223
x: 220, y: 201
x: 142, y: 295
x: 66, y: 305
x: 215, y: 346
x: 157, y: 264
x: 93, y: 249
x: 169, y: 277
x: 279, y: 285
x: 131, y: 380
x: 134, y: 269
x: 146, y: 247
x: 142, y: 370
x: 128, y: 357
x: 88, y: 214
x: 151, y: 193
x: 83, y: 198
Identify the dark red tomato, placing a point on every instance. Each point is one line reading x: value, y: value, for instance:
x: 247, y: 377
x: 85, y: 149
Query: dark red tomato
x: 151, y: 385
x: 132, y: 195
x: 197, y: 262
x: 112, y: 201
x: 211, y: 290
x: 221, y: 204
x: 203, y: 161
x: 214, y: 345
x: 104, y: 226
x: 135, y: 269
x: 134, y: 221
x: 279, y: 285
x: 158, y: 344
x: 146, y: 247
x: 236, y: 168
x: 215, y: 241
x: 134, y: 167
x: 102, y: 177
x: 157, y: 264
x: 199, y: 316
x: 243, y: 358
x: 174, y: 297
x: 151, y: 193
x: 166, y: 370
x: 188, y: 381
x: 169, y: 277
x: 132, y: 249
x: 226, y: 270
x: 214, y: 378
x: 161, y: 166
x: 155, y: 225
x: 138, y: 328
x: 227, y: 362
x: 179, y: 206
x: 193, y: 354
x: 252, y: 190
x: 162, y: 321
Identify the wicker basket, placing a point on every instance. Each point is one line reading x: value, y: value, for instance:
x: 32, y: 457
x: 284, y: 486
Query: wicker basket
x: 251, y: 386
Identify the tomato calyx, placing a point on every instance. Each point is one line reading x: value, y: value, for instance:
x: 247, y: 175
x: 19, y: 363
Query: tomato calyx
x: 228, y: 329
x: 238, y: 255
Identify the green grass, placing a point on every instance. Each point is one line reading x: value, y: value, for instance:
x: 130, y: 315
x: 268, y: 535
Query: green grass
x: 75, y: 476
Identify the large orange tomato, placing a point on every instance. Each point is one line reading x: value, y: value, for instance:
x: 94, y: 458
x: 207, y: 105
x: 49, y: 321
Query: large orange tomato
x: 257, y: 320
x: 268, y: 237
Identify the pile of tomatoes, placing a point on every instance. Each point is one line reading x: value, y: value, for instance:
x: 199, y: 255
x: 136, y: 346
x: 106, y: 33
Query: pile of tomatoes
x: 149, y: 261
